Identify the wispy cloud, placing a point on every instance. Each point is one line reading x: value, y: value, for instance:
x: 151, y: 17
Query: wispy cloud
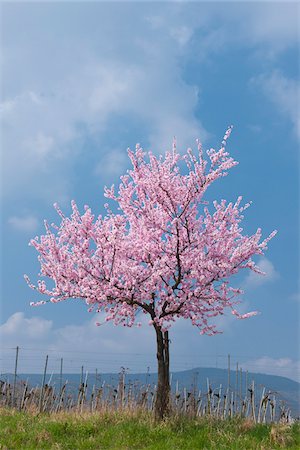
x: 295, y: 297
x: 284, y: 93
x: 254, y: 280
x: 26, y: 223
x: 108, y: 346
x: 285, y: 367
x: 272, y: 23
x: 112, y: 163
x: 47, y: 114
x: 35, y: 139
x: 44, y: 126
x: 18, y: 327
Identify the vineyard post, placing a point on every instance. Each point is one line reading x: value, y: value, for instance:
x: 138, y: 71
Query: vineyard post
x: 236, y: 387
x: 43, y: 385
x: 241, y: 390
x: 60, y: 375
x: 22, y: 403
x: 228, y: 383
x: 84, y: 389
x: 15, y: 377
x: 253, y: 401
x: 80, y: 389
x: 261, y: 405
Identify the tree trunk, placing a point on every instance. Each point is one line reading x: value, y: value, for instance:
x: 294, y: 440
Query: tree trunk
x: 162, y: 403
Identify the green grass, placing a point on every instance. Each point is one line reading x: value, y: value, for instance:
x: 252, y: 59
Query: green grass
x: 24, y: 431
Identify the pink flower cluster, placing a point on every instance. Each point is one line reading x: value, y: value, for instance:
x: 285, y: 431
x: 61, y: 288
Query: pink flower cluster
x: 160, y: 254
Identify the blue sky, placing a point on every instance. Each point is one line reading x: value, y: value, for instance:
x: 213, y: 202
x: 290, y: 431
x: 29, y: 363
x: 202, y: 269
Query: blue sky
x: 81, y: 82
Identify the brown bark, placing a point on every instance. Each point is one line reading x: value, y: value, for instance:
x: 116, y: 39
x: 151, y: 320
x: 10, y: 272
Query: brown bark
x: 162, y: 402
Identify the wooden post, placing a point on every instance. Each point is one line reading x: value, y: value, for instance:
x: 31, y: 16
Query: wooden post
x: 199, y: 401
x: 185, y: 400
x: 219, y: 400
x: 209, y: 397
x: 147, y: 375
x: 261, y: 403
x: 177, y: 394
x: 80, y: 389
x: 81, y: 377
x: 253, y: 401
x: 84, y: 388
x: 236, y: 388
x: 60, y: 375
x: 241, y: 390
x: 231, y: 405
x: 23, y: 396
x: 43, y: 385
x: 228, y: 382
x: 15, y: 377
x: 92, y: 399
x: 225, y: 404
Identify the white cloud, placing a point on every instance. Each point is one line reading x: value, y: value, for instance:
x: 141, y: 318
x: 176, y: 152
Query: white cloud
x: 254, y: 280
x: 8, y: 106
x: 277, y: 23
x: 109, y: 347
x: 112, y: 163
x: 42, y: 135
x: 284, y: 93
x: 110, y: 72
x: 272, y: 26
x: 254, y: 128
x: 113, y: 83
x: 41, y: 145
x: 18, y: 327
x: 24, y: 223
x: 295, y: 297
x: 285, y: 367
x: 35, y: 137
x: 181, y: 34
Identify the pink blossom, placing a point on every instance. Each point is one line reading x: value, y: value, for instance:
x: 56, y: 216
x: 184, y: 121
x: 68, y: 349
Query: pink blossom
x: 244, y: 316
x: 164, y: 253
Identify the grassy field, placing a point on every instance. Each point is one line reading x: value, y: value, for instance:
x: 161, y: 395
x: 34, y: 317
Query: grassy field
x: 24, y: 431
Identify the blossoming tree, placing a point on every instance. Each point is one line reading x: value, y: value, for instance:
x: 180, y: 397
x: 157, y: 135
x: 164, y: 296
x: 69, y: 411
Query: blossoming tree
x: 162, y: 254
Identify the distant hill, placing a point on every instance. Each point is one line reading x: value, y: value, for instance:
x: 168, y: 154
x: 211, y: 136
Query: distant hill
x: 286, y: 390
